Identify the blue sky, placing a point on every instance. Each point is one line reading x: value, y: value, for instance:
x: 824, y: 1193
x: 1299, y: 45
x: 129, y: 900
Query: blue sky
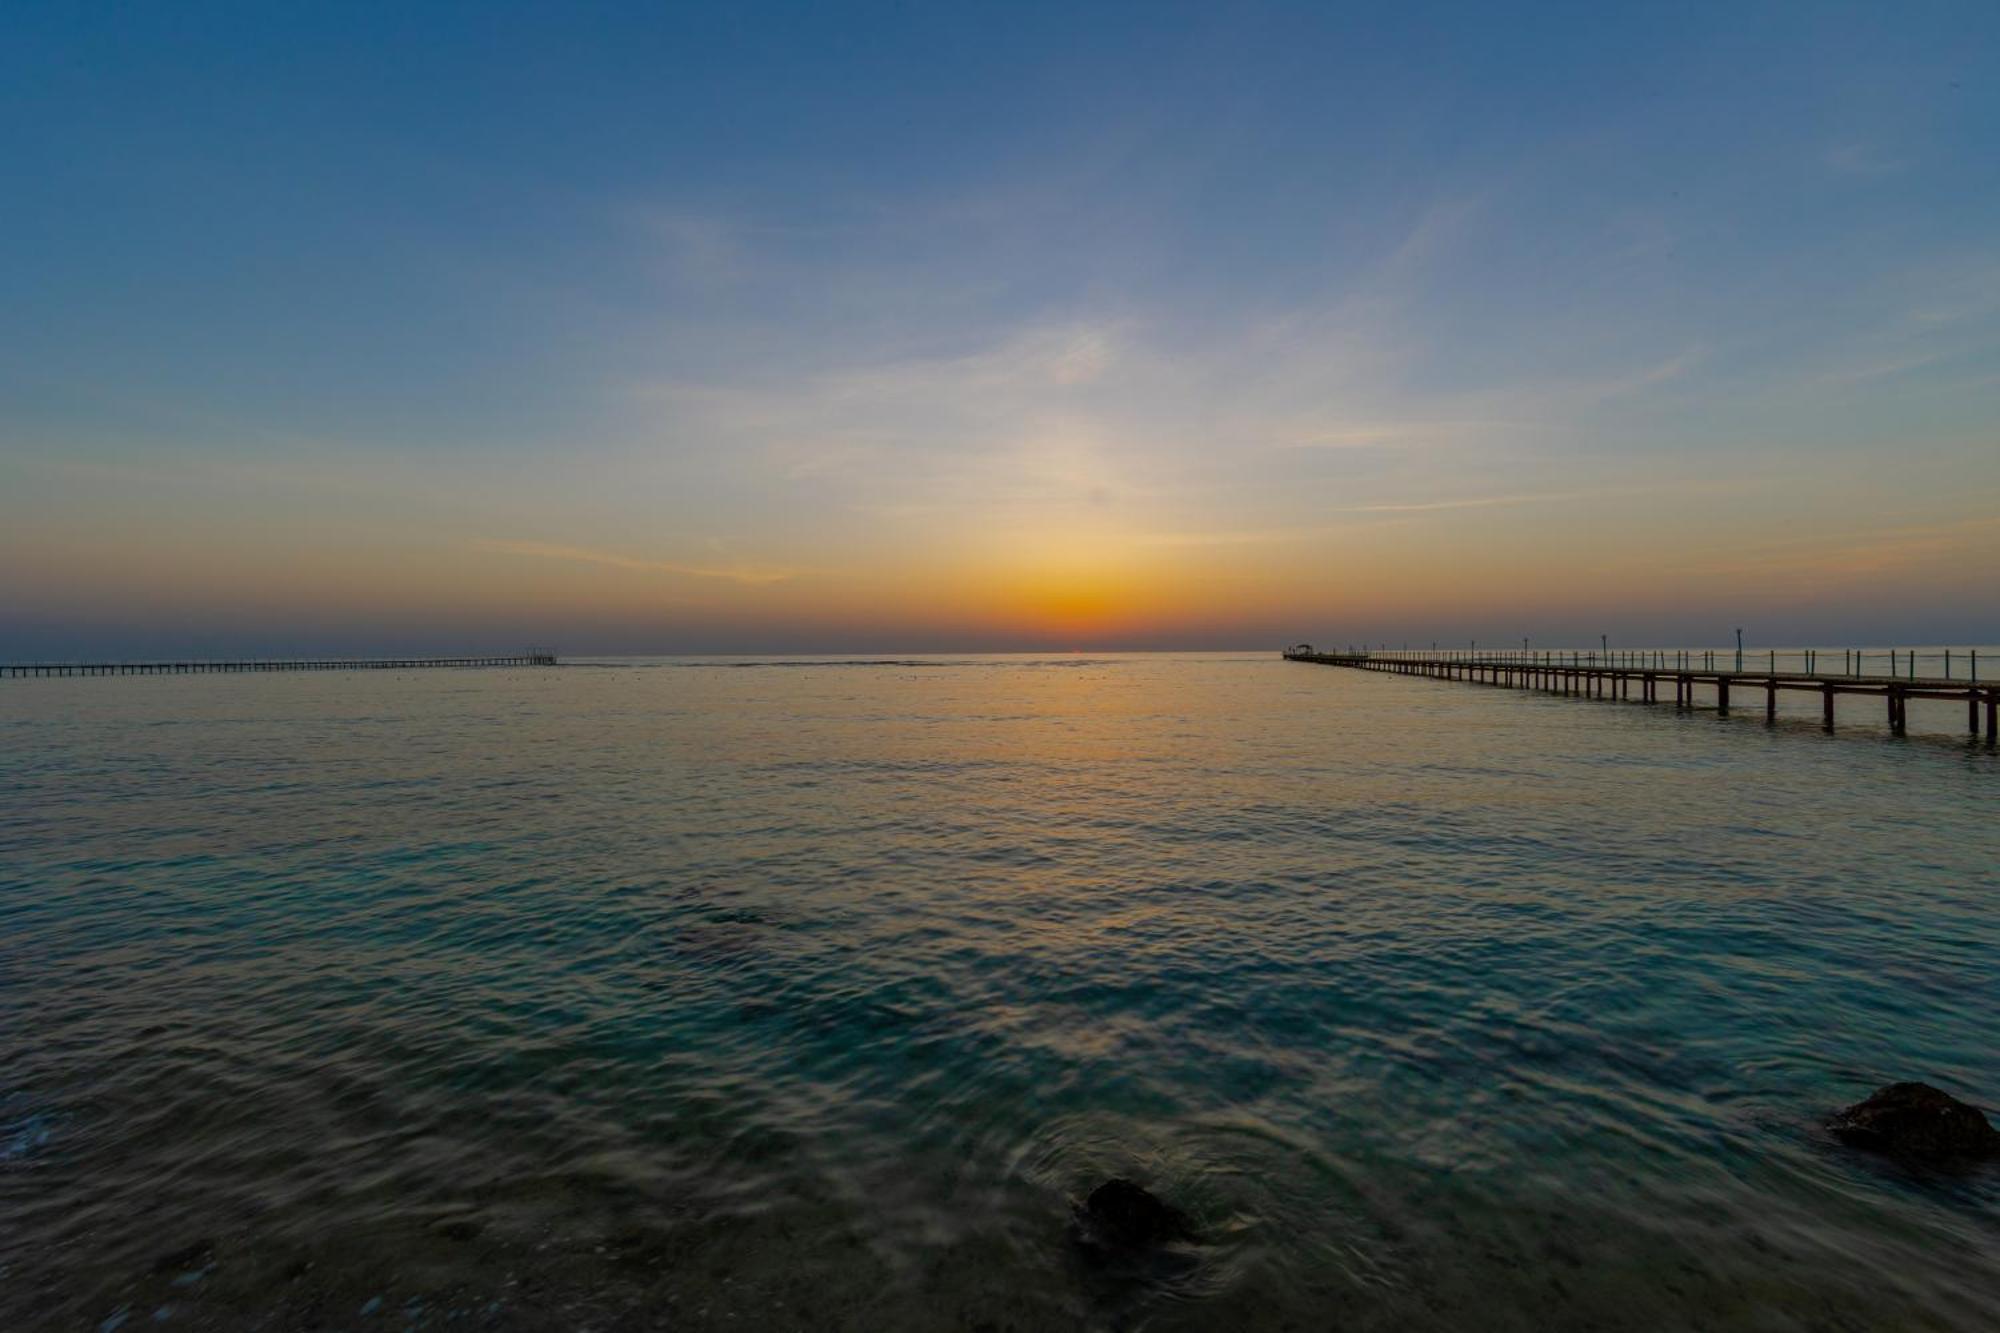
x: 996, y: 326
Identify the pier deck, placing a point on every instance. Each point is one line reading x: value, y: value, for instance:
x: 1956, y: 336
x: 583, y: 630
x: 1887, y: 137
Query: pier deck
x: 195, y: 668
x: 1620, y: 680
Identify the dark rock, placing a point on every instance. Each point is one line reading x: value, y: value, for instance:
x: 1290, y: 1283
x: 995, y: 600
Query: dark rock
x: 1121, y: 1215
x: 1915, y: 1119
x: 197, y: 1254
x: 456, y: 1228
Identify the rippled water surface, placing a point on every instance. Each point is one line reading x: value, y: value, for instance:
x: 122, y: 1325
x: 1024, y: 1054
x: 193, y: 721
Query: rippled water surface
x: 792, y: 996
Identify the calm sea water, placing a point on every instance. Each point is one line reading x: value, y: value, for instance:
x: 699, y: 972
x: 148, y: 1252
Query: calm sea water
x: 808, y: 996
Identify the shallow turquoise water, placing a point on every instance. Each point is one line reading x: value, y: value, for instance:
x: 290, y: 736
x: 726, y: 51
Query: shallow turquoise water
x: 808, y: 996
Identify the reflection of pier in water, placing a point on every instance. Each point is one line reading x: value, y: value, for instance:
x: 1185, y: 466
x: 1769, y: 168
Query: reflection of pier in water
x: 1621, y: 675
x: 197, y: 668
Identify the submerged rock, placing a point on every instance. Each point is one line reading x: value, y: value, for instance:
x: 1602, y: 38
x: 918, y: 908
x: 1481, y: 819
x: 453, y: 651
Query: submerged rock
x: 1917, y: 1120
x: 197, y: 1254
x: 1123, y: 1216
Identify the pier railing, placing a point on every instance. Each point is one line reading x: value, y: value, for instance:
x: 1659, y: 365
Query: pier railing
x: 1949, y: 664
x: 197, y: 667
x: 1642, y: 673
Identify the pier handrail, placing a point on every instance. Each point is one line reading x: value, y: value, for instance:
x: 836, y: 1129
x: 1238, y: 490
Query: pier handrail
x: 205, y: 666
x: 1953, y: 665
x: 1618, y: 675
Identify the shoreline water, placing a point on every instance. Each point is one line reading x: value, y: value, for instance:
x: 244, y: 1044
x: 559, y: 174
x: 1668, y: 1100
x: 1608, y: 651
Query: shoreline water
x: 817, y: 998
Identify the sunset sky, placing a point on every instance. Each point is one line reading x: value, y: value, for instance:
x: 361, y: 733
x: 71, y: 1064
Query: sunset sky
x: 947, y: 327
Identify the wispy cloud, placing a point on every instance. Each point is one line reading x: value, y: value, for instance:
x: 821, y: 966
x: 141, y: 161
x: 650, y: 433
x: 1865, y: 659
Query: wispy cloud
x: 1385, y: 434
x: 1885, y: 368
x: 1850, y: 557
x: 1586, y: 392
x: 1294, y: 533
x: 1245, y: 537
x: 1942, y: 316
x: 1472, y: 502
x: 695, y: 249
x: 1859, y: 158
x: 906, y: 397
x: 582, y: 555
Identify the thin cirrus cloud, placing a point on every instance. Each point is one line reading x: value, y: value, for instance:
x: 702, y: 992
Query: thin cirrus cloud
x: 752, y: 575
x: 1469, y: 502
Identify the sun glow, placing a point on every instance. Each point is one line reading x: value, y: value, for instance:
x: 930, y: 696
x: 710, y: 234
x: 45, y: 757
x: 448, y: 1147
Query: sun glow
x: 1068, y: 605
x: 1070, y: 586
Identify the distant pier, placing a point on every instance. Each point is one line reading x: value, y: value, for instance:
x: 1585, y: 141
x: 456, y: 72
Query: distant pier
x: 1645, y: 675
x: 198, y: 668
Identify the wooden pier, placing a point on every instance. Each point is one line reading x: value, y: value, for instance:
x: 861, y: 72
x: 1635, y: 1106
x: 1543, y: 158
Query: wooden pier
x: 1644, y: 677
x: 197, y: 668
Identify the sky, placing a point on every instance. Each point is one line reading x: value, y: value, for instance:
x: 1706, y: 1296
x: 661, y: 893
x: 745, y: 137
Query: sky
x: 835, y: 327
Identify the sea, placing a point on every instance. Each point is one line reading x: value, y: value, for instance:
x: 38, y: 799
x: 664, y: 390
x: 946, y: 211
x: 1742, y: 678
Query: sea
x: 816, y: 993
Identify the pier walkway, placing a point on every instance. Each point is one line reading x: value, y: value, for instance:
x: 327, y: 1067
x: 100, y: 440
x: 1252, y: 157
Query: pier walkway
x: 1644, y: 676
x: 195, y: 668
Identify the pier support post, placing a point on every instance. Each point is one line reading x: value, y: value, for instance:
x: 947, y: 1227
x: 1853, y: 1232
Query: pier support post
x: 1722, y: 695
x: 1826, y: 707
x: 1771, y: 703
